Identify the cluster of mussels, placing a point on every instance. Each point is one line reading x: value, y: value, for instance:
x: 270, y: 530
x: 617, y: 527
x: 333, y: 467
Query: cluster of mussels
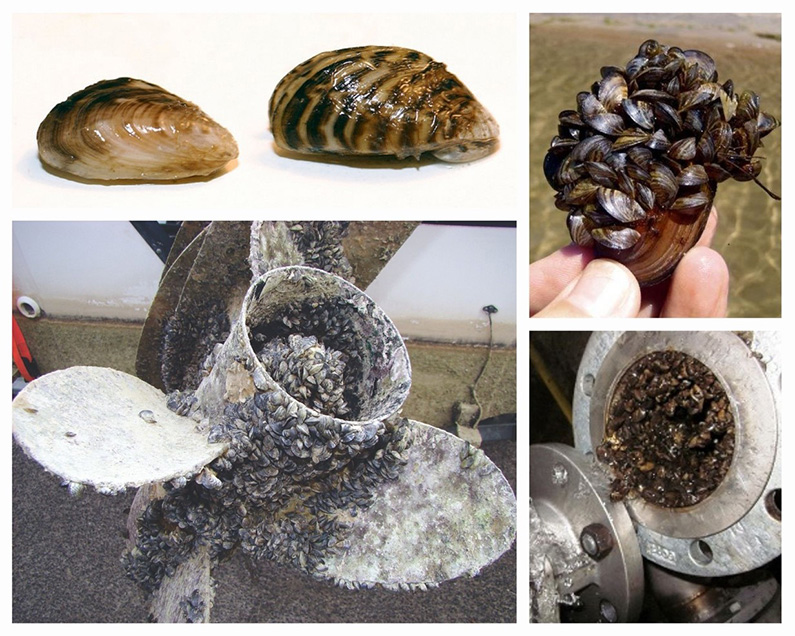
x: 187, y: 332
x: 337, y: 343
x: 320, y: 243
x: 294, y: 477
x: 308, y: 371
x: 669, y: 435
x: 636, y: 166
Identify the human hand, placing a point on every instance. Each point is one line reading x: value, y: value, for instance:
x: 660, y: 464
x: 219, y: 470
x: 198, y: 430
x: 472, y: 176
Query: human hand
x: 573, y: 283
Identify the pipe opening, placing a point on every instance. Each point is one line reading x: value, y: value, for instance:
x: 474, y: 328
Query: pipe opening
x: 327, y: 344
x: 670, y: 431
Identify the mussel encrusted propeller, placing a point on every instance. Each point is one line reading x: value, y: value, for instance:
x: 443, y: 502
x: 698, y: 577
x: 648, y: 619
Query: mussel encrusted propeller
x: 637, y: 165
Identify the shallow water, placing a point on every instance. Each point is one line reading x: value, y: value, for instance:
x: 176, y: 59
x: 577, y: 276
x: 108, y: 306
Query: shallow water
x: 566, y: 53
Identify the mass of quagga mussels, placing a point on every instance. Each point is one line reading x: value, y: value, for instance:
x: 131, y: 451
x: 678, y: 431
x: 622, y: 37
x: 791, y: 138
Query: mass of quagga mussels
x: 636, y: 166
x: 294, y: 477
x: 670, y: 431
x: 130, y: 129
x: 190, y: 333
x: 320, y: 245
x: 377, y: 100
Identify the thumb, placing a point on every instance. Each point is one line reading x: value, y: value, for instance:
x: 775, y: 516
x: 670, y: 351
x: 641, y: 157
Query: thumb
x: 603, y: 289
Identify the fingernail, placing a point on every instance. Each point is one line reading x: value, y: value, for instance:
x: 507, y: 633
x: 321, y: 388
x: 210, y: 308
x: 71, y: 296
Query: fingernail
x: 606, y: 288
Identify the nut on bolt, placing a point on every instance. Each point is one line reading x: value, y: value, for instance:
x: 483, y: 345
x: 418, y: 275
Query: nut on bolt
x: 596, y: 540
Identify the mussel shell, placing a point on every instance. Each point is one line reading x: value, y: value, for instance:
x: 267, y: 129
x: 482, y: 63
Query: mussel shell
x: 766, y: 123
x: 704, y: 94
x: 663, y: 184
x: 658, y: 141
x: 683, y: 149
x: 130, y: 129
x: 618, y: 239
x: 593, y: 148
x: 612, y: 91
x: 704, y: 64
x: 594, y: 113
x: 379, y: 100
x: 695, y: 203
x: 640, y: 112
x: 630, y: 138
x: 578, y: 229
x: 692, y: 175
x: 619, y: 205
x: 747, y: 106
x: 664, y: 237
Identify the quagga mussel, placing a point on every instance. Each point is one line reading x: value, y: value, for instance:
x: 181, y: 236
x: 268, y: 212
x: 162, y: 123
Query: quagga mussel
x: 129, y: 129
x: 637, y: 165
x: 379, y: 100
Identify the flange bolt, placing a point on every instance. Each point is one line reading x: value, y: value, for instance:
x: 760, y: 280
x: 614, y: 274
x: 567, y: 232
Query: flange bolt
x: 596, y: 540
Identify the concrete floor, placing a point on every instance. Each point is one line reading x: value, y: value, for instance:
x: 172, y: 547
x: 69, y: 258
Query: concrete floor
x: 65, y: 560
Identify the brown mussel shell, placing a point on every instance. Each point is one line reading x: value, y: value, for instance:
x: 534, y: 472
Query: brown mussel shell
x: 379, y: 100
x: 637, y: 165
x: 128, y: 129
x: 652, y: 247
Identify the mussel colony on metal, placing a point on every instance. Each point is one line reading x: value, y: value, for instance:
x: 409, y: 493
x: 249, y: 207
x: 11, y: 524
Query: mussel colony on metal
x: 637, y: 165
x: 367, y: 100
x: 305, y: 455
x: 670, y: 432
x: 187, y: 340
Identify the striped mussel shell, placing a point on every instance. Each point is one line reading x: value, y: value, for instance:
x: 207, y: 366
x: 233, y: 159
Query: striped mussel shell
x: 637, y: 164
x: 129, y: 129
x: 379, y: 100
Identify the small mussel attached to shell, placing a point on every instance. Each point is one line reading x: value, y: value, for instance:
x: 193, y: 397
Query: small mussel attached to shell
x: 377, y: 100
x: 130, y: 129
x: 637, y: 165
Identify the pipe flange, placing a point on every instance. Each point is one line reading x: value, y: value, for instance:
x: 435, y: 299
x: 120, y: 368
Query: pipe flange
x: 737, y: 527
x: 570, y: 495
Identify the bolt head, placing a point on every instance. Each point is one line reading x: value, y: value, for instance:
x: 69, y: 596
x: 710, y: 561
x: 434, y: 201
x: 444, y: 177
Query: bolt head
x: 596, y: 540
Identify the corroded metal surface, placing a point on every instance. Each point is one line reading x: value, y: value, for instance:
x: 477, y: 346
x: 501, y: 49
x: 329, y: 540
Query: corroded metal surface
x: 449, y: 514
x: 107, y: 429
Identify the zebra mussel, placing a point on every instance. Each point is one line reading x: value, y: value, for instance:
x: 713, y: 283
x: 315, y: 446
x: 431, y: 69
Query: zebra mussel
x: 129, y: 129
x: 637, y: 164
x: 379, y: 100
x: 308, y: 371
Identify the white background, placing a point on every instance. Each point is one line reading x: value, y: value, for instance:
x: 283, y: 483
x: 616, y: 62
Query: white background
x: 228, y: 65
